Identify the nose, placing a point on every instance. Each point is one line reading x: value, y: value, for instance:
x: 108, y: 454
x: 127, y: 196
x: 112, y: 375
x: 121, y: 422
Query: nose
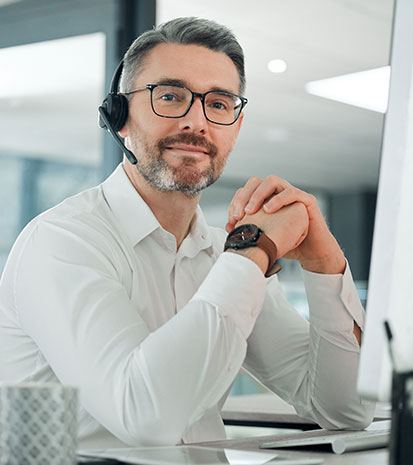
x: 194, y: 120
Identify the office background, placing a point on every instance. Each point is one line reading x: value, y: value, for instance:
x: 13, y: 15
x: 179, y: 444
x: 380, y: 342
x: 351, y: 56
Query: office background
x: 57, y: 58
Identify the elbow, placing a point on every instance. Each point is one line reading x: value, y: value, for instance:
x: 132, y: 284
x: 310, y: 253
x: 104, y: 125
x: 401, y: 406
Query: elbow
x: 349, y: 417
x: 142, y: 423
x: 150, y: 424
x: 149, y: 433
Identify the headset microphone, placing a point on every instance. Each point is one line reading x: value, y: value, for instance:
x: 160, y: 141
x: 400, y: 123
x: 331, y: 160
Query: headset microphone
x: 113, y: 113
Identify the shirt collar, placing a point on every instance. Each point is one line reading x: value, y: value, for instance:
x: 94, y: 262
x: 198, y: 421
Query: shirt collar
x: 137, y: 220
x: 130, y: 210
x: 199, y: 236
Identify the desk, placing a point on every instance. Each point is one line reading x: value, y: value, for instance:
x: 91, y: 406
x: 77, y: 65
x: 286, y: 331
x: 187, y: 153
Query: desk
x: 263, y: 410
x: 269, y: 410
x: 368, y: 457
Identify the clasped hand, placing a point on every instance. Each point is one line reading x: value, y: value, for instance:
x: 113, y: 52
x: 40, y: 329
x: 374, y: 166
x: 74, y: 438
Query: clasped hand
x: 292, y: 219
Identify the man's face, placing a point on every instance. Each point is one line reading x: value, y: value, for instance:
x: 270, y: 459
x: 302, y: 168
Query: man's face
x: 181, y: 154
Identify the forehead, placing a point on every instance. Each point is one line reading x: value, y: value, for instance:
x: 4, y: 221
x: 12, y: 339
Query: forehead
x: 198, y: 67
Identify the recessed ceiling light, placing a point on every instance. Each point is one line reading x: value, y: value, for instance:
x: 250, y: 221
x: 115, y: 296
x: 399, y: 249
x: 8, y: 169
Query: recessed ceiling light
x: 366, y: 89
x: 277, y: 66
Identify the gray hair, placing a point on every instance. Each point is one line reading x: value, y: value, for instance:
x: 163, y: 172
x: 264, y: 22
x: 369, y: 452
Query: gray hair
x: 185, y: 31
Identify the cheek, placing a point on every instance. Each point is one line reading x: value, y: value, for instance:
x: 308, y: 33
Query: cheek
x: 226, y: 143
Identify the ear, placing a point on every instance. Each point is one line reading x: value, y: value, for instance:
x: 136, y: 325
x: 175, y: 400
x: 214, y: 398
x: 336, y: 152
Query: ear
x: 124, y: 132
x: 124, y: 108
x: 236, y: 130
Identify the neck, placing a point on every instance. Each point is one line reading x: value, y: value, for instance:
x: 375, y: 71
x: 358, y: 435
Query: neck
x: 174, y: 210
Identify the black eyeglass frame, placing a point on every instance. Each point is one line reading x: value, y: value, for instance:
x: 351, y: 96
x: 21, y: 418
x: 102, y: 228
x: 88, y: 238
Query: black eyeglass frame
x: 151, y: 87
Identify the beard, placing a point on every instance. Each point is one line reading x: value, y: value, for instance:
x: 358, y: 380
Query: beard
x: 186, y: 178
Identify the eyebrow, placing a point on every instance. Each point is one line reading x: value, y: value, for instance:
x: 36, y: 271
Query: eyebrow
x: 182, y: 83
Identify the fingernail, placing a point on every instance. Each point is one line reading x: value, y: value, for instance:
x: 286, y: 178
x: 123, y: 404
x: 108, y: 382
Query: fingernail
x: 266, y: 207
x: 249, y: 207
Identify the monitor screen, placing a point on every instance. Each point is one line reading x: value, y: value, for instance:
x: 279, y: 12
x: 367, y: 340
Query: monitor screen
x: 390, y: 290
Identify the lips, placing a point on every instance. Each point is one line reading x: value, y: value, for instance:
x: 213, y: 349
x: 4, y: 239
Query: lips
x: 188, y: 148
x: 188, y: 143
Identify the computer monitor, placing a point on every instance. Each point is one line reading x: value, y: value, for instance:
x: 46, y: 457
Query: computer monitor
x: 390, y: 287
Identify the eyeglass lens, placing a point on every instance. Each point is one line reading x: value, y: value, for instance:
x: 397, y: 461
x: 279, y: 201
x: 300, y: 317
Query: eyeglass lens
x: 172, y: 101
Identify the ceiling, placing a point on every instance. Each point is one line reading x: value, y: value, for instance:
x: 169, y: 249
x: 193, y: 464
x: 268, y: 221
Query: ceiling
x: 313, y: 142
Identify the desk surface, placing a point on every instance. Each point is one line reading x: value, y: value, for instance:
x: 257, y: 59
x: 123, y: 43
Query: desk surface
x: 270, y: 410
x: 368, y: 457
x: 262, y: 410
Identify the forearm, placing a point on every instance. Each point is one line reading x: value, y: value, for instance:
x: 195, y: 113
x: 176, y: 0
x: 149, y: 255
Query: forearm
x: 312, y: 366
x: 333, y: 401
x: 336, y: 316
x: 333, y: 263
x: 169, y: 380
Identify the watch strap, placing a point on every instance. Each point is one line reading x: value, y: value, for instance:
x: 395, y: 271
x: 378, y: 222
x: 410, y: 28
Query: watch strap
x: 267, y: 244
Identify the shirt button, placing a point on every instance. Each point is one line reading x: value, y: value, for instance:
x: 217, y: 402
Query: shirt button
x: 254, y: 312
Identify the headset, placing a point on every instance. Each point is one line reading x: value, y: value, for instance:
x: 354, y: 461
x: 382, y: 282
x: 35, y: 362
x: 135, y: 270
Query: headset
x: 113, y: 113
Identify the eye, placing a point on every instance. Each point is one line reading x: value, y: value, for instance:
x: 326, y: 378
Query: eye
x: 219, y: 105
x: 220, y: 102
x: 168, y: 97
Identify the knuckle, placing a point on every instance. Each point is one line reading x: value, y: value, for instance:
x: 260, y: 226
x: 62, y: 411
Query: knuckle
x: 273, y: 178
x: 302, y: 207
x: 254, y: 180
x: 312, y: 198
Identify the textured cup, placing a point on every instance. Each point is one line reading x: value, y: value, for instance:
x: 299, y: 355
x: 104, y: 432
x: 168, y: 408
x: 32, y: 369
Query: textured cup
x: 38, y: 424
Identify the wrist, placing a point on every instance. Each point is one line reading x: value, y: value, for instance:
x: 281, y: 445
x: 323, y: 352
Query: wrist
x: 255, y: 254
x: 255, y: 245
x: 335, y: 264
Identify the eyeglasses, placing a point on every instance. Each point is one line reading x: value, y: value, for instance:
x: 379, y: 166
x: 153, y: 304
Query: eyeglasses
x: 219, y: 107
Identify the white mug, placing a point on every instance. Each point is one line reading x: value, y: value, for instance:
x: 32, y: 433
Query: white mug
x: 38, y: 424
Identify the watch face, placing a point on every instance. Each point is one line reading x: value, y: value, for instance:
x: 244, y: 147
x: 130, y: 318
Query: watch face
x: 243, y: 236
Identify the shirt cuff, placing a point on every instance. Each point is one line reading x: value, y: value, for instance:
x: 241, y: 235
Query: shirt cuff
x: 236, y: 286
x: 336, y: 293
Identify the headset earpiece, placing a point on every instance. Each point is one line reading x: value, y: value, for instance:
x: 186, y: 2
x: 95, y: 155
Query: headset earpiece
x: 116, y: 108
x: 113, y: 113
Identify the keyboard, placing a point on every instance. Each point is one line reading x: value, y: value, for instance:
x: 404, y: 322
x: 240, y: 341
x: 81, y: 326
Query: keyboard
x: 375, y: 436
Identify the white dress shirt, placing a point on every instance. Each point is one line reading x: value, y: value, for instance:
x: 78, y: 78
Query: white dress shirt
x: 95, y: 294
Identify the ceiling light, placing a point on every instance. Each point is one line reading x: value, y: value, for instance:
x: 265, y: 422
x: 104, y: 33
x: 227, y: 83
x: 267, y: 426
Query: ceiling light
x: 365, y: 89
x: 277, y: 66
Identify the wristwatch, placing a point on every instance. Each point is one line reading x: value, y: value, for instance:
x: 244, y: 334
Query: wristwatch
x: 250, y: 235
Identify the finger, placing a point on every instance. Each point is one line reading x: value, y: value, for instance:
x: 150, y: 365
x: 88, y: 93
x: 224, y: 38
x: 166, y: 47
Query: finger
x: 230, y: 226
x: 287, y: 197
x: 270, y: 186
x: 232, y: 213
x: 241, y: 198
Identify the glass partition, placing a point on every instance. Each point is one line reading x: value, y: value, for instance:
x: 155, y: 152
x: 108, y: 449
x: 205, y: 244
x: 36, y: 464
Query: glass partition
x: 50, y: 144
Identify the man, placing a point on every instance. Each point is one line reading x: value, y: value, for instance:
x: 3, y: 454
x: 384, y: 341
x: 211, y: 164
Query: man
x: 125, y: 292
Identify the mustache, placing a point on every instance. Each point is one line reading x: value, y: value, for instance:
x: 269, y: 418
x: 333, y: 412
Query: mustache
x: 189, y: 139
